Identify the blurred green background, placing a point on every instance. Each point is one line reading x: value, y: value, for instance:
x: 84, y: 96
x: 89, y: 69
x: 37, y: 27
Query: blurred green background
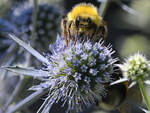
x: 128, y: 24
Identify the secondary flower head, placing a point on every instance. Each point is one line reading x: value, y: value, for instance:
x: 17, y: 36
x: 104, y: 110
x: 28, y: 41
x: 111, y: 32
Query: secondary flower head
x: 136, y: 67
x: 48, y: 18
x: 78, y: 73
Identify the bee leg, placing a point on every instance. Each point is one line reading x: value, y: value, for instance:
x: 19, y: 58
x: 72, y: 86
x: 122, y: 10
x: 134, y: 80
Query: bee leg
x: 104, y: 32
x: 69, y: 31
x: 64, y: 29
x: 77, y: 32
x: 65, y: 37
x: 92, y: 36
x: 77, y: 35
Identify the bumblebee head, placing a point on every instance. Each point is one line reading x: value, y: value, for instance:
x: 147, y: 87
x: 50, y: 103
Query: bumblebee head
x: 84, y: 15
x: 84, y: 22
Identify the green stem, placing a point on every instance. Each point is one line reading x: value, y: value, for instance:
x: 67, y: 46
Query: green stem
x: 144, y: 93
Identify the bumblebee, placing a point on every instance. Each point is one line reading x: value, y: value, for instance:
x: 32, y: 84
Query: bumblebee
x: 119, y: 96
x: 83, y: 22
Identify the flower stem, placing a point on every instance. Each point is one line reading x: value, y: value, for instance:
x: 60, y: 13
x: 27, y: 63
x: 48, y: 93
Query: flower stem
x: 144, y: 93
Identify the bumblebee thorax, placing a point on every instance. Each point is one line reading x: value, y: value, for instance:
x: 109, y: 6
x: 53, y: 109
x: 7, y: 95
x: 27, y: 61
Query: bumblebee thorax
x: 84, y: 11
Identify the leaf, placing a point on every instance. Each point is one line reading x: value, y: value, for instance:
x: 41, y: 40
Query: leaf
x: 119, y: 81
x: 7, y: 59
x: 27, y: 101
x: 40, y: 86
x: 132, y: 84
x: 29, y: 49
x: 39, y: 74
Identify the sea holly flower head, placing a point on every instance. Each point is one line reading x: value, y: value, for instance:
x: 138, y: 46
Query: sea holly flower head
x: 67, y: 75
x: 79, y: 71
x: 48, y: 19
x: 136, y: 67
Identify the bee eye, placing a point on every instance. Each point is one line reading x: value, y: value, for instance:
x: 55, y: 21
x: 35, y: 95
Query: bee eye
x: 77, y: 21
x: 89, y: 20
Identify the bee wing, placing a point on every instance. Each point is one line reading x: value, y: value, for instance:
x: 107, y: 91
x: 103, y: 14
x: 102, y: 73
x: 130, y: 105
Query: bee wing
x: 64, y: 28
x: 106, y: 30
x: 133, y: 96
x: 124, y: 107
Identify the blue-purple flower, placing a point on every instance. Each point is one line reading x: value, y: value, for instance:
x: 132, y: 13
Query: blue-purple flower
x: 78, y: 73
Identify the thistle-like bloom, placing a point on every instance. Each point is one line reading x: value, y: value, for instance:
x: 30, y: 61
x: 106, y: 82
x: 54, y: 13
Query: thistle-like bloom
x: 48, y: 18
x: 136, y: 67
x: 74, y: 75
x: 78, y: 74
